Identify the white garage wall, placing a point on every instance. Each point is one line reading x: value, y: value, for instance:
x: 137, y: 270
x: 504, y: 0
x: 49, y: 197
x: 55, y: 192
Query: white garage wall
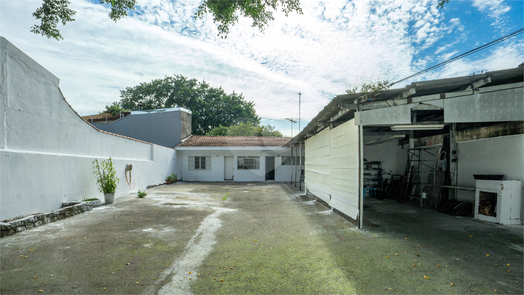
x: 282, y: 173
x: 393, y: 156
x: 46, y: 149
x: 497, y: 155
x: 332, y: 167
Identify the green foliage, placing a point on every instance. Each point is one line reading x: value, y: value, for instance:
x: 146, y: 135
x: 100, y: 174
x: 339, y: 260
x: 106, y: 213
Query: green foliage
x: 105, y: 174
x: 245, y: 129
x: 210, y: 106
x: 369, y: 87
x: 114, y: 109
x: 141, y: 194
x: 218, y: 131
x: 172, y: 177
x: 226, y: 12
x: 441, y: 3
x: 53, y: 11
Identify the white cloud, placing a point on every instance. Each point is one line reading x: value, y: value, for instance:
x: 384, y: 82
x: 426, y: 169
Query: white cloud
x: 495, y: 8
x: 317, y: 53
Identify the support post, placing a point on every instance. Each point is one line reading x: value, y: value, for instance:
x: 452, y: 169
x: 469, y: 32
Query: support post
x: 361, y: 176
x: 453, y: 167
x: 300, y: 172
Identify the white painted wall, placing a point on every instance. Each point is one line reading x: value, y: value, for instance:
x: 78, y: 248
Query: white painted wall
x: 393, y: 156
x: 497, y: 155
x: 282, y: 172
x: 332, y: 167
x: 46, y: 149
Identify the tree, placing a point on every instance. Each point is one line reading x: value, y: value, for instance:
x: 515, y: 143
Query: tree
x: 210, y: 106
x: 225, y: 13
x: 114, y: 109
x: 441, y: 3
x: 53, y: 11
x: 369, y: 87
x: 245, y: 129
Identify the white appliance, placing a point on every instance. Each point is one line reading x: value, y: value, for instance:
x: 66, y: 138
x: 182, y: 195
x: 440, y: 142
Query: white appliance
x: 499, y: 201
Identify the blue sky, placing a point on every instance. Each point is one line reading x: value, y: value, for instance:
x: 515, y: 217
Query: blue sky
x: 334, y: 45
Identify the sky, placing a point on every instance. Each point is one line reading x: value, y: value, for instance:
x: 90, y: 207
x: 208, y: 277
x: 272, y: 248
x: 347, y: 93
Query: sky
x: 334, y: 45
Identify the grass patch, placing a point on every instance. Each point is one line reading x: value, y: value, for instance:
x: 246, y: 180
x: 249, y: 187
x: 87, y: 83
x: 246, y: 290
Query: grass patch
x: 87, y: 200
x: 141, y: 194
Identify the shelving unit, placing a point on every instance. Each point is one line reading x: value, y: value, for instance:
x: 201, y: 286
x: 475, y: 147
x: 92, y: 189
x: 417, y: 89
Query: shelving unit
x: 373, y: 175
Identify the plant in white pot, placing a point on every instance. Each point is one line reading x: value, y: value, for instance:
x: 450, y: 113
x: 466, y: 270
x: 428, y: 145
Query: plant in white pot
x: 106, y: 179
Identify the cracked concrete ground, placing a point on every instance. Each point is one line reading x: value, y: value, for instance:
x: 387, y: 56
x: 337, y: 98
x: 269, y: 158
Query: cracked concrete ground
x: 259, y: 238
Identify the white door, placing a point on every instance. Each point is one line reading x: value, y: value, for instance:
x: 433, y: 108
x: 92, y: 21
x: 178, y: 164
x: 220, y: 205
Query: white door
x: 228, y: 168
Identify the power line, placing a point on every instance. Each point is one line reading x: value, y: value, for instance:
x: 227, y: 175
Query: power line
x: 449, y: 60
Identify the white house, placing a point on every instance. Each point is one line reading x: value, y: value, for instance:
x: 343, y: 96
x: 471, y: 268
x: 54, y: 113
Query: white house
x: 234, y: 158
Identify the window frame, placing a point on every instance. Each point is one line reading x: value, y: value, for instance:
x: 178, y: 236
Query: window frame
x: 241, y: 163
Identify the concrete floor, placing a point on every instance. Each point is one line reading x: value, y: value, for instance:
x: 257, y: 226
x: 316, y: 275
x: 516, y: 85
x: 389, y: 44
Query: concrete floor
x: 259, y: 238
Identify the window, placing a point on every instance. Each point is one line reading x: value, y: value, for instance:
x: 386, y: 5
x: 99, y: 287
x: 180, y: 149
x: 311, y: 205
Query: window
x: 248, y: 162
x: 199, y: 163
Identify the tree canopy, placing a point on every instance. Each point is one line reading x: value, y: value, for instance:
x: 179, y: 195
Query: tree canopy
x: 114, y: 109
x: 210, y: 106
x: 369, y: 87
x: 245, y: 129
x: 225, y: 13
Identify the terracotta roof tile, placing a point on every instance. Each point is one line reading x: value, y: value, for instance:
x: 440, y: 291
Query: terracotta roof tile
x: 233, y: 141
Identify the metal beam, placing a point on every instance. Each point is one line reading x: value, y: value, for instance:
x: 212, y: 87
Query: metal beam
x: 347, y: 105
x: 479, y: 83
x: 339, y: 115
x: 405, y: 94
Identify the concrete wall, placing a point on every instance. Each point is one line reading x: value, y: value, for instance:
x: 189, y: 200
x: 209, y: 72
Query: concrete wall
x: 282, y: 172
x: 332, y: 167
x: 46, y: 149
x: 394, y: 157
x: 162, y: 128
x: 498, y: 155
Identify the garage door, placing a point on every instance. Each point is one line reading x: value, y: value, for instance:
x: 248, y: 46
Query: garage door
x: 331, y: 167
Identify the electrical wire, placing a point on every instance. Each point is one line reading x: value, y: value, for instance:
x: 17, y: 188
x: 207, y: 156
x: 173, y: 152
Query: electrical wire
x: 494, y: 42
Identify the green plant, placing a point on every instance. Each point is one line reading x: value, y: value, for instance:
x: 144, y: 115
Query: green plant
x: 87, y: 200
x: 172, y: 177
x: 141, y: 194
x: 224, y: 198
x: 105, y: 174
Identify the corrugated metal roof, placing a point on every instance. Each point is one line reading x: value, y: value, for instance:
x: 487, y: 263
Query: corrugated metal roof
x: 423, y: 88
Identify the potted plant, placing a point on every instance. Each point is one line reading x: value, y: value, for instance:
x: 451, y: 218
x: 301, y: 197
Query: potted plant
x: 106, y: 179
x: 171, y: 178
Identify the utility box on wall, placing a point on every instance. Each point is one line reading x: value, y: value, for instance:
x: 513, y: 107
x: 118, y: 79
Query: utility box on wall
x: 499, y: 201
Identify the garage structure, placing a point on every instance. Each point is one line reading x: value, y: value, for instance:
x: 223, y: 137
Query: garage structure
x: 234, y: 158
x: 427, y: 138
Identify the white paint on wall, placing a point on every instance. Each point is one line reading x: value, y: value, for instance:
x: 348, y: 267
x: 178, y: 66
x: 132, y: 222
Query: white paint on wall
x: 497, y: 155
x: 47, y: 150
x: 393, y: 156
x: 217, y: 156
x: 332, y: 167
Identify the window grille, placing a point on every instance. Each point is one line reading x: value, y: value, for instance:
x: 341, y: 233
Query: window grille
x: 248, y: 162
